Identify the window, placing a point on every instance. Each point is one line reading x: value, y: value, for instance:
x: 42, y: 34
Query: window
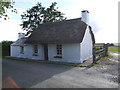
x: 35, y: 49
x: 21, y: 49
x: 59, y: 49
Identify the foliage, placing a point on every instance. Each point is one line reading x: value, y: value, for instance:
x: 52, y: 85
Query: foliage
x: 38, y: 15
x: 110, y: 44
x: 0, y: 49
x: 6, y: 48
x: 4, y: 6
x: 114, y: 48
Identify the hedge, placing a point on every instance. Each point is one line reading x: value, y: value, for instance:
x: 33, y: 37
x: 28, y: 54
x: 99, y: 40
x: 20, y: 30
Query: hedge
x: 6, y: 48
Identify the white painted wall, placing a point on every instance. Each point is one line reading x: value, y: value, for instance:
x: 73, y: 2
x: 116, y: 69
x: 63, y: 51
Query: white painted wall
x: 86, y: 46
x: 85, y: 16
x: 14, y: 51
x: 74, y: 53
x: 70, y: 53
x: 28, y: 52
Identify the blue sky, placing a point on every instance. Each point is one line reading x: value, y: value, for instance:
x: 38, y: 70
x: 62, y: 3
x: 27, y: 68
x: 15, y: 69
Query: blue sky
x: 26, y: 5
x: 103, y: 17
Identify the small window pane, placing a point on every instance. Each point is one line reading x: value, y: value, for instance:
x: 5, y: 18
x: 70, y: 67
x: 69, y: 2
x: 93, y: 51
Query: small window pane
x: 21, y: 49
x: 59, y: 49
x: 35, y: 49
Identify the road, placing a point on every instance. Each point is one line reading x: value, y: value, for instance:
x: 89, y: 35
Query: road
x: 37, y: 75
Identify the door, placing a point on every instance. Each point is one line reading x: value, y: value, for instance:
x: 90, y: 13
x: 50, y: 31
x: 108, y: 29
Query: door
x: 45, y: 51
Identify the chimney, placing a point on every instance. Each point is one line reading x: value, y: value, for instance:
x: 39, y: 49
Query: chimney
x: 85, y: 16
x: 21, y: 35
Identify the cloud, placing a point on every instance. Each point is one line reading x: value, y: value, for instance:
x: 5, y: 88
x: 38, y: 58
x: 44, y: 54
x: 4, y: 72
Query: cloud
x: 106, y: 36
x: 103, y: 16
x: 20, y: 11
x: 9, y: 30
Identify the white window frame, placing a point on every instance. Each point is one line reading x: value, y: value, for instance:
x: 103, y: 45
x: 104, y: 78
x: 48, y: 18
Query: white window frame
x: 35, y: 50
x: 59, y: 49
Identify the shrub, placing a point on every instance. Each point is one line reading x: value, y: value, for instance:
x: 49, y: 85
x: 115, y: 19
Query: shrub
x: 0, y: 49
x: 6, y: 48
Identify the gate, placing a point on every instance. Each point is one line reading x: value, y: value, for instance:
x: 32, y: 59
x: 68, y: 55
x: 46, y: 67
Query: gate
x: 99, y: 50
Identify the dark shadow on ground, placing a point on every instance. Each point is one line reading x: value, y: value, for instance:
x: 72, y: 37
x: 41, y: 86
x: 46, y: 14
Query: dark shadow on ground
x: 27, y: 74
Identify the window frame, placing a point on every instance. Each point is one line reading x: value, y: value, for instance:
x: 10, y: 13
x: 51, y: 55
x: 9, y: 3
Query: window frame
x: 21, y: 49
x: 59, y: 49
x: 35, y: 50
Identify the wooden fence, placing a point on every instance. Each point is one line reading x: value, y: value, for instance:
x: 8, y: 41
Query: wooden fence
x: 99, y: 50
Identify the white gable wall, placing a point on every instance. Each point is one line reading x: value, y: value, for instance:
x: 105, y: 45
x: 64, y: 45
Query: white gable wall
x: 70, y: 53
x: 86, y: 46
x: 14, y: 51
x: 28, y: 52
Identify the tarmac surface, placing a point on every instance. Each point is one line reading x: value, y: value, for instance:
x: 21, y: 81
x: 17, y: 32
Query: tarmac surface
x: 39, y: 75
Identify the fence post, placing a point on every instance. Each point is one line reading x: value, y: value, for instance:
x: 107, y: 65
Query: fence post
x: 106, y: 49
x: 94, y: 54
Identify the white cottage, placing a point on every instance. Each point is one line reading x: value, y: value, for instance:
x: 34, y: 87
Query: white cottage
x: 63, y: 41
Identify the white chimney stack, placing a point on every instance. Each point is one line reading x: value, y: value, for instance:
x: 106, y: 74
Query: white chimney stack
x: 85, y: 16
x: 21, y: 35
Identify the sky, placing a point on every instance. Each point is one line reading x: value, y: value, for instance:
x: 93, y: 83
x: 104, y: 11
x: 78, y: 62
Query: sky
x: 103, y: 17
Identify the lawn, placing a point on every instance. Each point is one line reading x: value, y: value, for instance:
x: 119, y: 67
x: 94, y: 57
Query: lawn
x: 113, y: 48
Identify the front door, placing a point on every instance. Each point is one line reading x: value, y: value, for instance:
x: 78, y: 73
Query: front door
x: 45, y: 51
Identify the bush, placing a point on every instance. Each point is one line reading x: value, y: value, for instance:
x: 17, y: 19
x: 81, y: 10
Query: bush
x: 6, y: 48
x: 0, y: 49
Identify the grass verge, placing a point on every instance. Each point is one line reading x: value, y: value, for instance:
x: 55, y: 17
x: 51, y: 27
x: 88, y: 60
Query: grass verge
x: 55, y: 63
x: 44, y: 62
x: 113, y: 48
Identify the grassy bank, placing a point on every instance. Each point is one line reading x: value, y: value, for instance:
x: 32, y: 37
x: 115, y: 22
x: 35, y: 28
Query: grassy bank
x: 41, y: 61
x: 48, y: 62
x: 113, y: 48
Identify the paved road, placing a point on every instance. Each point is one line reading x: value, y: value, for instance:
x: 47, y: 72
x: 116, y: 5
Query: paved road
x: 37, y: 75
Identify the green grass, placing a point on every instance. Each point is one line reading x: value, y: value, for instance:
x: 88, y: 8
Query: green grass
x: 113, y: 48
x: 43, y: 62
x: 46, y: 62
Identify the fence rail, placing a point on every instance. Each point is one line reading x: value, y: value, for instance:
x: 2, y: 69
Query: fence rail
x: 99, y: 50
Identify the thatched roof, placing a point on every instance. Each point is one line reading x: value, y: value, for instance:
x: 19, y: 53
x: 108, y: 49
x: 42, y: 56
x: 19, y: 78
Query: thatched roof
x: 20, y: 42
x: 66, y: 31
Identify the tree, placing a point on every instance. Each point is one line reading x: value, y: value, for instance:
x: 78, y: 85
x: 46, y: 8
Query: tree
x: 4, y: 6
x: 38, y: 15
